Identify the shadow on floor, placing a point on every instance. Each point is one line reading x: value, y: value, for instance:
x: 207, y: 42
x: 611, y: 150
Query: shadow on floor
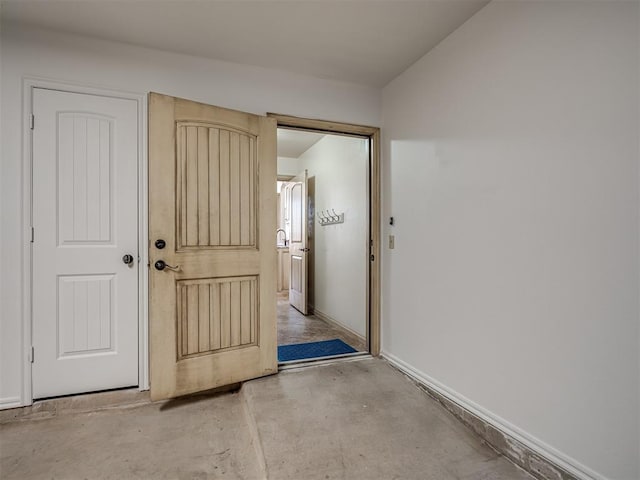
x: 207, y: 395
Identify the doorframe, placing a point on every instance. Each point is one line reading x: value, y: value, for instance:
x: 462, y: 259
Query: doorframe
x: 28, y: 85
x: 373, y: 266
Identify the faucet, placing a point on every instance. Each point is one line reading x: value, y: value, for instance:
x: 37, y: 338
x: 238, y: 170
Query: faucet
x: 286, y: 242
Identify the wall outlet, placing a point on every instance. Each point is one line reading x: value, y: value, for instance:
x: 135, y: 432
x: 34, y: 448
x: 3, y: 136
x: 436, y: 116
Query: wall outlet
x: 392, y: 242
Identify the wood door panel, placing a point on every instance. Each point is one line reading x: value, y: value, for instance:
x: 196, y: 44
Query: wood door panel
x: 216, y: 313
x: 216, y: 187
x: 212, y: 319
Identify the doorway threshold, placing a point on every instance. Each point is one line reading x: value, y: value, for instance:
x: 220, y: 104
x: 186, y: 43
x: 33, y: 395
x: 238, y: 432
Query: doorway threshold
x: 77, y: 403
x: 312, y: 362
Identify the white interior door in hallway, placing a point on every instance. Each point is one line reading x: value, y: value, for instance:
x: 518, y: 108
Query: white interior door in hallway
x: 85, y: 219
x: 298, y: 279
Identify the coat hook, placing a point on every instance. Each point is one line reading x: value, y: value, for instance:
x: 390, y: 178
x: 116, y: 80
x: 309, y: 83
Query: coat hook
x: 329, y: 217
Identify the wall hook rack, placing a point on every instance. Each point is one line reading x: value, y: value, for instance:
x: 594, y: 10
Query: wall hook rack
x: 329, y: 218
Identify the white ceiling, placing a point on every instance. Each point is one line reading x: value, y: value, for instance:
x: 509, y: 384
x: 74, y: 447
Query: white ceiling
x: 362, y: 41
x: 293, y: 143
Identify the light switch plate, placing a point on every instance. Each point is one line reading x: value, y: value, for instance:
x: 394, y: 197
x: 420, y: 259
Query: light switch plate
x: 392, y: 242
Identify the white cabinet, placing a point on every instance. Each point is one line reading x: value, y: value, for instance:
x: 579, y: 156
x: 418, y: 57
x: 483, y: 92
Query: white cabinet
x: 283, y: 268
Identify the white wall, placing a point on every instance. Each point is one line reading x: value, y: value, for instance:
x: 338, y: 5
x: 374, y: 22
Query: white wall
x: 511, y: 167
x: 339, y: 166
x: 117, y: 66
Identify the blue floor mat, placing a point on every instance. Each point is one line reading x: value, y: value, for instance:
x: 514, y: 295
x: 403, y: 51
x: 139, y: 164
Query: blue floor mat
x: 300, y: 351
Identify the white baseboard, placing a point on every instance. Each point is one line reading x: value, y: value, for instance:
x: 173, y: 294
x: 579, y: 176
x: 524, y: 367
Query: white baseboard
x: 536, y: 445
x: 10, y: 402
x: 332, y: 321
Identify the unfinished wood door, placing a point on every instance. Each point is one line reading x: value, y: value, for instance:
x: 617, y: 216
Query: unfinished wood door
x: 212, y: 223
x: 298, y: 244
x: 85, y: 219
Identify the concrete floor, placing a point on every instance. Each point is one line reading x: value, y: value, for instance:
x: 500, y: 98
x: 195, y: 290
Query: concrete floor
x: 293, y: 327
x: 353, y: 420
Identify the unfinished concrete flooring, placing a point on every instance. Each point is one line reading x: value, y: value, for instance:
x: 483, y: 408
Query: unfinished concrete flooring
x: 352, y: 420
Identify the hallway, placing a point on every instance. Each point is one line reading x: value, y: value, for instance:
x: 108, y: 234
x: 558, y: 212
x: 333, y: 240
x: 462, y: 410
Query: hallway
x: 293, y: 327
x: 352, y: 420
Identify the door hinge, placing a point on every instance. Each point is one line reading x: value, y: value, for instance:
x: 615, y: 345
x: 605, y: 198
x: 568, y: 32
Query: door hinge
x: 372, y: 257
x: 32, y: 121
x: 32, y: 354
x: 33, y: 234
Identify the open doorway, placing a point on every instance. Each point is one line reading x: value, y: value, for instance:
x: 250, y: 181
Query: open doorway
x: 323, y: 239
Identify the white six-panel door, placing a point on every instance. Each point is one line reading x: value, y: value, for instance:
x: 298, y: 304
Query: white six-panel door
x: 85, y: 214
